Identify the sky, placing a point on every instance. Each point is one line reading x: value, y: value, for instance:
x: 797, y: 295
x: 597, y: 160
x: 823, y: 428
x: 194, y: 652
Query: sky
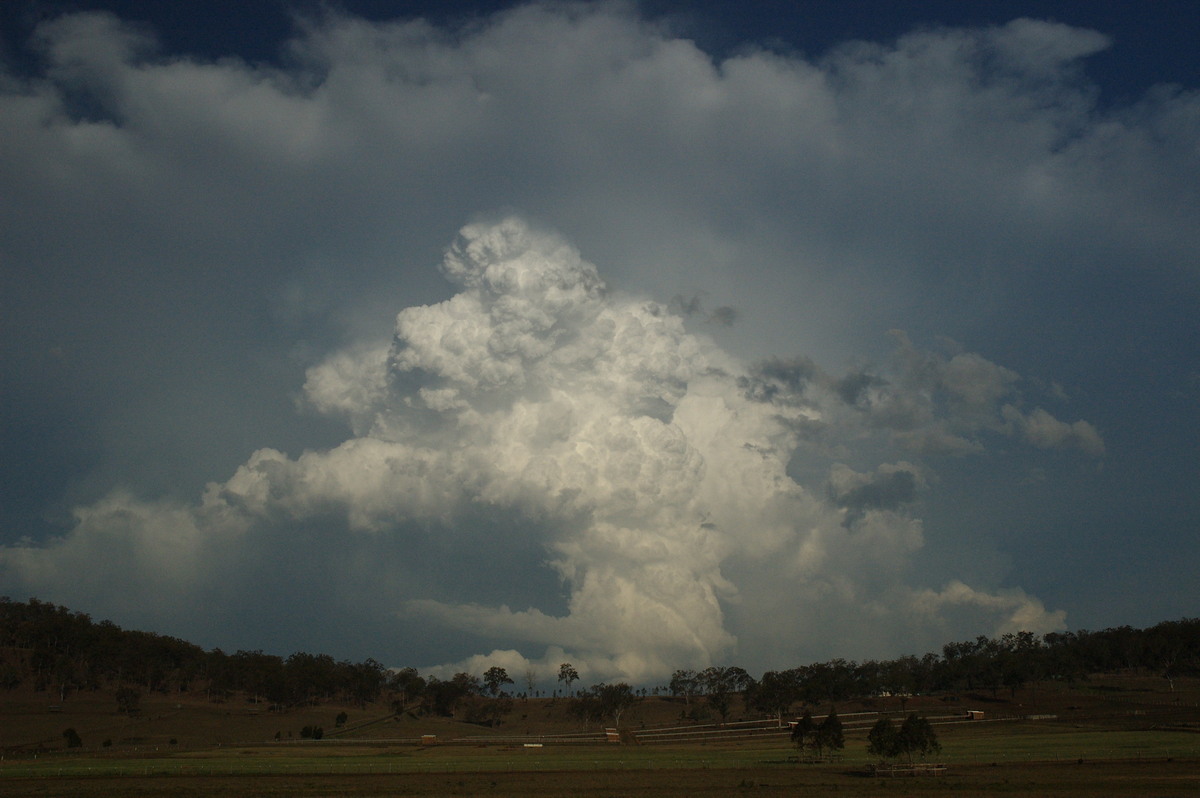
x: 643, y: 336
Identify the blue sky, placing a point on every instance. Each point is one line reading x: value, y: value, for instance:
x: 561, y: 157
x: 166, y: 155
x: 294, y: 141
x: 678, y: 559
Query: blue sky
x: 645, y: 335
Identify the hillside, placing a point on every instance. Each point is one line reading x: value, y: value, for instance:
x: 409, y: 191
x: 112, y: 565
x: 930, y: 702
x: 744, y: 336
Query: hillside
x: 66, y: 681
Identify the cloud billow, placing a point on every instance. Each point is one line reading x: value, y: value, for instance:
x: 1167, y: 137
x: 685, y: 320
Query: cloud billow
x: 633, y: 451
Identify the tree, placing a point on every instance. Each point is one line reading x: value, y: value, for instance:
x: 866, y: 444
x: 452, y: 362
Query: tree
x: 530, y: 679
x: 586, y: 706
x: 802, y: 732
x: 567, y: 674
x: 408, y: 683
x: 442, y: 697
x: 720, y: 683
x: 364, y: 680
x: 720, y: 701
x: 495, y: 678
x: 603, y: 701
x: 684, y: 683
x: 466, y: 683
x: 838, y: 680
x: 487, y: 711
x: 738, y: 680
x: 822, y: 739
x: 614, y: 699
x: 916, y: 736
x: 10, y: 677
x: 72, y: 737
x: 899, y: 677
x: 881, y: 740
x: 775, y: 693
x: 829, y: 736
x: 129, y: 700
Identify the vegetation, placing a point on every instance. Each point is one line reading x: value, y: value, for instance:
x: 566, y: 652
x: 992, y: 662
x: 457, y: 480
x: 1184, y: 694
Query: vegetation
x: 829, y: 738
x: 1125, y: 733
x: 339, y: 770
x: 817, y: 742
x: 603, y: 702
x: 55, y: 650
x: 567, y: 674
x: 495, y: 679
x: 64, y: 652
x: 914, y: 737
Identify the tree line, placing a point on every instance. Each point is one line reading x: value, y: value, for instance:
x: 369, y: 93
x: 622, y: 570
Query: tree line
x: 61, y: 652
x: 1006, y: 663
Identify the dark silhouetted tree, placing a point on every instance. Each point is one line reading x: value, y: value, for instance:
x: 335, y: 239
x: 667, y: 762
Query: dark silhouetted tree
x: 443, y: 697
x: 829, y: 737
x: 567, y: 675
x: 916, y: 736
x: 408, y: 683
x: 129, y: 700
x: 775, y: 693
x: 495, y: 679
x: 684, y: 683
x: 614, y: 699
x: 881, y: 739
x: 802, y: 732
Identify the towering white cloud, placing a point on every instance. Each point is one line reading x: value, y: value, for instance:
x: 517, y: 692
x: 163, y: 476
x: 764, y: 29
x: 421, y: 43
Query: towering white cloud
x: 646, y: 459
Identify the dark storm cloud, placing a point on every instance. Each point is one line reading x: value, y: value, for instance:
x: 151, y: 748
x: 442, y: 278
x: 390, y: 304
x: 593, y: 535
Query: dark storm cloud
x: 886, y: 492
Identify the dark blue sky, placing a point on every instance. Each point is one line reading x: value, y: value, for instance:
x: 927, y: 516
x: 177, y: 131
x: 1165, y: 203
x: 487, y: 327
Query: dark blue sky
x: 932, y: 263
x: 1151, y: 39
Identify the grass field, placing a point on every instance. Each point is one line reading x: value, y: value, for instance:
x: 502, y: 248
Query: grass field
x: 1108, y: 739
x: 996, y: 759
x: 1000, y: 744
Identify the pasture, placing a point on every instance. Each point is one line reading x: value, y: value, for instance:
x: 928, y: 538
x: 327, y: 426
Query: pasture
x: 1110, y: 737
x: 1002, y: 758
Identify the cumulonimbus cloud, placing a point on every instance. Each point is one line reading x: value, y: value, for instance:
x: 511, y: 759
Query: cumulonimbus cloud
x: 538, y: 464
x: 649, y: 467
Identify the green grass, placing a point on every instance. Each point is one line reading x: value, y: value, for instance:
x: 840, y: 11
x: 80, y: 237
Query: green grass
x: 1001, y: 743
x: 1027, y: 742
x: 446, y: 760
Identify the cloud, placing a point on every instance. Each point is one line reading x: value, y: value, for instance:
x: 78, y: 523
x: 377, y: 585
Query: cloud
x: 1046, y: 432
x: 539, y: 456
x: 939, y: 404
x: 889, y: 488
x: 1009, y: 611
x: 641, y: 456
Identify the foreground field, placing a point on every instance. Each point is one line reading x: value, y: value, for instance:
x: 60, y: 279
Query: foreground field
x: 984, y: 759
x: 1050, y: 779
x: 1111, y: 737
